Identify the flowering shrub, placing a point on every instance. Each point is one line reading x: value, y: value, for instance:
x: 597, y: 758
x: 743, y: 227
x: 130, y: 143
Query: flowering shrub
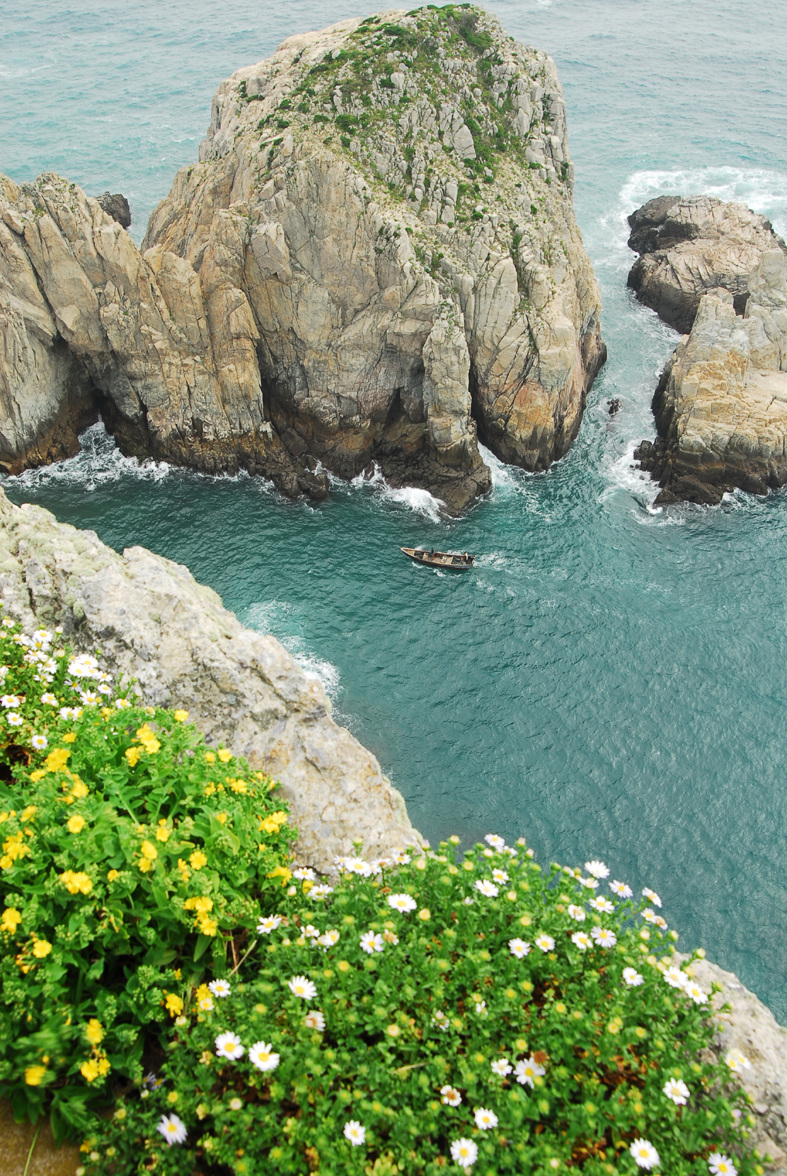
x: 443, y: 1013
x: 133, y: 857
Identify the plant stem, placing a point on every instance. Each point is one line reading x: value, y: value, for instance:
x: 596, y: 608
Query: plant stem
x: 32, y: 1147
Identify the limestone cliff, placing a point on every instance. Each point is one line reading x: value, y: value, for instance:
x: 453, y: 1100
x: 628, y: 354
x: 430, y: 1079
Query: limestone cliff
x: 155, y: 624
x: 721, y: 403
x: 689, y: 245
x: 375, y: 259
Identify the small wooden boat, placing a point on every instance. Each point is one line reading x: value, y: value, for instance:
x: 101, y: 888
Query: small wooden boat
x: 449, y: 560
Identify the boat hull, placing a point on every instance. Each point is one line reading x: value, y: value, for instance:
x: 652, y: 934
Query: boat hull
x: 447, y: 561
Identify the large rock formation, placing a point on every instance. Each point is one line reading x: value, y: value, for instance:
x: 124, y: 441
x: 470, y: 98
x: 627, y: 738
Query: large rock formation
x: 689, y: 245
x: 375, y: 256
x: 721, y: 403
x: 155, y: 624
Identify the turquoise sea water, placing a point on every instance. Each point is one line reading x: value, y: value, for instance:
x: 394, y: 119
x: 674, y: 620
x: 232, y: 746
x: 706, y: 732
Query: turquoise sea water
x: 611, y: 680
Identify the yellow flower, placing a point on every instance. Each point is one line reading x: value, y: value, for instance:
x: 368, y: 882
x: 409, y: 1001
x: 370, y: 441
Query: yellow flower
x: 199, y: 902
x: 41, y: 948
x: 238, y: 786
x: 425, y: 914
x: 10, y: 920
x: 224, y: 755
x: 133, y: 754
x: 197, y: 859
x: 145, y: 865
x: 34, y: 1075
x: 38, y: 774
x: 148, y: 850
x: 162, y: 832
x: 89, y: 1070
x: 174, y: 1004
x: 273, y: 822
x: 94, y: 1032
x: 76, y: 883
x: 180, y: 716
x: 210, y: 757
x: 148, y: 739
x: 173, y: 1097
x: 343, y: 966
x: 70, y: 737
x: 393, y: 1031
x: 57, y: 759
x: 221, y: 818
x: 28, y: 813
x: 281, y: 872
x: 79, y: 789
x: 75, y: 824
x: 207, y: 926
x: 112, y: 875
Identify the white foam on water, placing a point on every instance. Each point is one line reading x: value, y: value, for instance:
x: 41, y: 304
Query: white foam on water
x: 98, y: 462
x: 411, y: 497
x: 270, y: 617
x: 318, y: 668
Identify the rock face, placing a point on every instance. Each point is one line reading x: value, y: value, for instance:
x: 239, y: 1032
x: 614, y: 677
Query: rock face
x: 116, y: 205
x: 153, y: 622
x: 375, y: 260
x: 721, y: 403
x: 751, y: 1029
x: 689, y: 245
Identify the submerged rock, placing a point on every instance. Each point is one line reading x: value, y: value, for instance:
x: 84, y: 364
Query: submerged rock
x: 375, y: 259
x: 155, y: 624
x: 721, y: 403
x: 689, y: 245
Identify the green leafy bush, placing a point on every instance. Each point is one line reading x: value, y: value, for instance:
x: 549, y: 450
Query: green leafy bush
x: 443, y: 1013
x: 132, y: 858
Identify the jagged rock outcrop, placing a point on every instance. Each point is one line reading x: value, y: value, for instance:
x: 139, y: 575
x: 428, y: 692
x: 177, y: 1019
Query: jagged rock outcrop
x: 375, y: 257
x: 116, y: 205
x: 721, y: 403
x: 689, y: 245
x: 154, y: 623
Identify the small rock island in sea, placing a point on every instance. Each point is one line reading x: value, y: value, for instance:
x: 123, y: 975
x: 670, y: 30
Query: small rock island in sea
x: 717, y: 272
x: 374, y: 260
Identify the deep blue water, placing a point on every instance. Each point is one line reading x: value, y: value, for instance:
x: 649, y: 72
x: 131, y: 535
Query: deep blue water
x: 611, y: 680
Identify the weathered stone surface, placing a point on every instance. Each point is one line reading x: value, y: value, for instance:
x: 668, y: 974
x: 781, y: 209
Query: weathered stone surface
x: 721, y: 403
x: 117, y: 206
x: 751, y: 1029
x: 689, y: 245
x: 16, y: 1140
x: 154, y: 623
x: 299, y: 284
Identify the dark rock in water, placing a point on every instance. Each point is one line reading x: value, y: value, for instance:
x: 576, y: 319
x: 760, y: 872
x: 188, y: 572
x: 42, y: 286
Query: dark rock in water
x: 689, y: 245
x: 613, y: 406
x: 117, y: 206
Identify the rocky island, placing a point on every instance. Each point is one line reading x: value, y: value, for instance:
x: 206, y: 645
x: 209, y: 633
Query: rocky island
x: 718, y: 272
x: 375, y: 260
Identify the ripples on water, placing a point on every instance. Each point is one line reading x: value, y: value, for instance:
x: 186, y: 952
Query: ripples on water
x: 610, y: 679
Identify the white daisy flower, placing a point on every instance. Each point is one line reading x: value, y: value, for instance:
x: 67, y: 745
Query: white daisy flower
x: 599, y: 903
x: 236, y: 1104
x: 49, y: 700
x: 370, y: 942
x: 10, y: 701
x: 268, y: 924
x: 544, y: 942
x: 677, y: 1090
x: 468, y: 901
x: 314, y: 1020
x: 649, y: 915
x: 644, y: 1154
x: 495, y: 841
x: 310, y: 932
x: 577, y: 913
x: 390, y: 937
x: 440, y: 1020
x: 582, y: 941
x: 304, y: 874
x: 301, y: 986
x: 228, y: 1045
x: 402, y: 902
x: 588, y: 883
x: 488, y: 853
x: 89, y: 697
x: 219, y: 988
x: 676, y: 978
x: 661, y: 922
x: 354, y: 1132
x: 356, y: 865
x: 651, y: 896
x: 39, y: 742
x: 485, y: 1119
x: 632, y: 977
x: 603, y: 936
x: 502, y: 1067
x: 697, y: 994
x: 737, y: 1061
x: 172, y: 1128
x: 329, y: 938
x: 721, y: 1165
x: 122, y: 704
x: 597, y: 869
x: 464, y: 1152
x: 14, y: 719
x: 499, y: 876
x: 262, y: 1057
x: 527, y: 1071
x: 519, y: 948
x: 487, y: 888
x: 401, y: 858
x: 480, y: 1005
x: 83, y: 666
x: 450, y: 1096
x: 322, y: 890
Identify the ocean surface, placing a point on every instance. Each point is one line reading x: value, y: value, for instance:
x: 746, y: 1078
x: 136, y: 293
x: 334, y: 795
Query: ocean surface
x: 611, y: 681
